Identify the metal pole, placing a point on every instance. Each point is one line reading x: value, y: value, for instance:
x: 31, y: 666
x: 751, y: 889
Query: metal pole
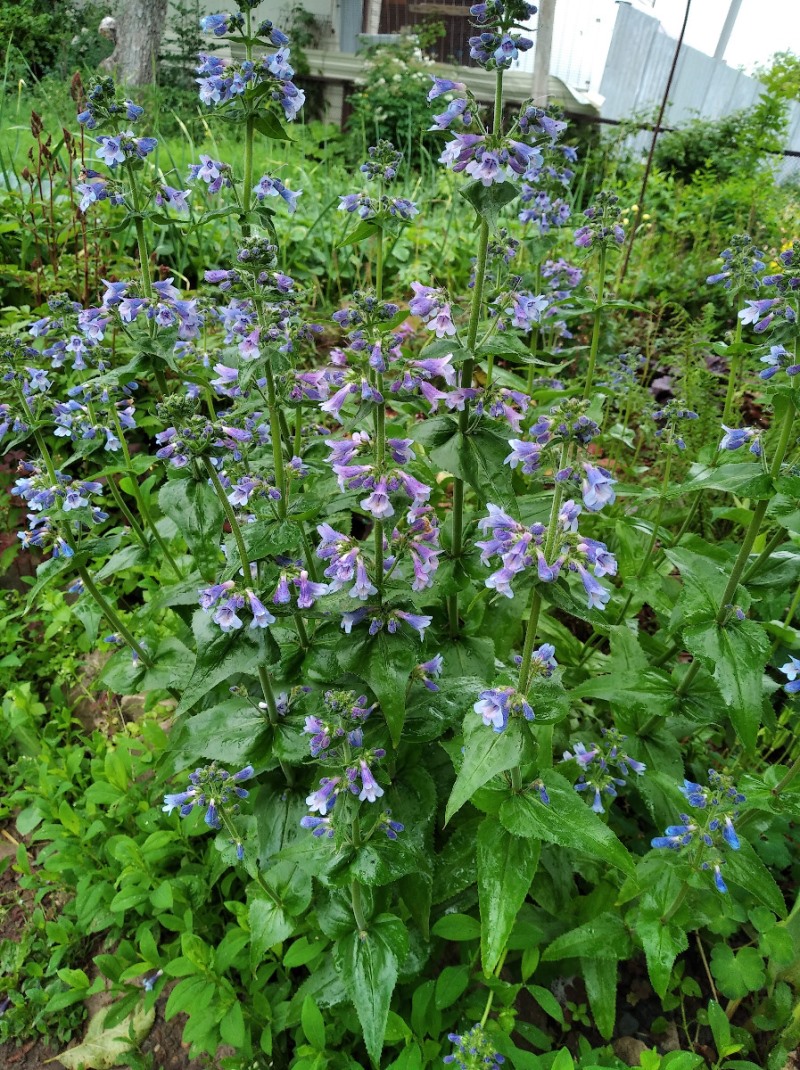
x: 727, y: 29
x: 656, y: 130
x: 544, y: 48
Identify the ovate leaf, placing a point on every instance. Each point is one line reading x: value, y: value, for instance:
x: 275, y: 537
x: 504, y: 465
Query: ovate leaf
x: 486, y: 753
x: 195, y: 510
x: 506, y: 866
x: 566, y: 820
x: 368, y: 963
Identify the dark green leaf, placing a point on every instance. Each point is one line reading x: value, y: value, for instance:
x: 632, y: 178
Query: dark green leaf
x: 506, y: 866
x: 365, y: 229
x: 566, y: 821
x: 478, y: 458
x: 735, y: 654
x: 603, y: 937
x: 384, y: 662
x: 662, y: 944
x: 488, y: 201
x: 221, y: 654
x: 270, y: 126
x: 269, y: 925
x: 600, y: 977
x: 486, y: 753
x: 197, y: 513
x: 368, y: 963
x: 745, y: 868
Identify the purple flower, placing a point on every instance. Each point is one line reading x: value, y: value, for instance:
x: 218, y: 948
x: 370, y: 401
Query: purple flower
x: 597, y: 488
x: 444, y: 85
x: 791, y: 671
x: 759, y: 313
x: 417, y: 621
x: 324, y: 798
x: 493, y: 707
x: 525, y: 453
x: 262, y: 617
x: 370, y: 788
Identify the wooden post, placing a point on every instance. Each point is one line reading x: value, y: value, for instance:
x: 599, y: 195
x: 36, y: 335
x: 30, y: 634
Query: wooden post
x: 544, y: 48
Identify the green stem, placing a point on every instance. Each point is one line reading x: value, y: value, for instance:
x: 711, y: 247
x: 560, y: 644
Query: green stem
x: 236, y: 530
x: 113, y: 618
x: 273, y: 715
x: 355, y: 888
x: 144, y: 510
x: 750, y: 537
x: 733, y: 375
x: 598, y: 318
x: 144, y: 256
x: 131, y: 519
x: 249, y: 131
x: 469, y: 364
x: 490, y: 997
x: 277, y: 444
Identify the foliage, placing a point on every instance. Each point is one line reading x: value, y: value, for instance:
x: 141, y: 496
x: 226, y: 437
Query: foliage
x: 462, y: 575
x: 48, y: 36
x: 724, y: 146
x: 390, y: 100
x: 781, y: 76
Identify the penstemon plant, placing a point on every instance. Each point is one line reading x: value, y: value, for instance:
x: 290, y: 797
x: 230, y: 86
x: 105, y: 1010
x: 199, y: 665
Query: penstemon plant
x: 382, y: 564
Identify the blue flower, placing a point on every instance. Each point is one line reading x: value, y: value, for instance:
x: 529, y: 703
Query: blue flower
x: 791, y: 671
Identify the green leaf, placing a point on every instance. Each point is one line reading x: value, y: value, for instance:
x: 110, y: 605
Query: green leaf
x: 313, y: 1024
x: 486, y: 753
x: 232, y: 1028
x: 488, y: 201
x: 745, y: 868
x: 457, y: 927
x: 662, y: 944
x: 478, y: 458
x: 735, y: 654
x: 704, y: 581
x: 506, y: 866
x: 221, y: 654
x: 384, y: 662
x: 547, y: 1001
x: 365, y: 229
x: 269, y: 925
x: 566, y: 821
x: 368, y: 963
x: 600, y: 977
x: 737, y: 974
x: 196, y: 511
x: 604, y: 937
x: 746, y: 479
x: 268, y: 124
x: 451, y: 983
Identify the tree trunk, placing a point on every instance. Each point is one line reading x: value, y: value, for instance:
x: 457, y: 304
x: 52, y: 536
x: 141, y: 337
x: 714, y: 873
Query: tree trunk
x: 140, y: 24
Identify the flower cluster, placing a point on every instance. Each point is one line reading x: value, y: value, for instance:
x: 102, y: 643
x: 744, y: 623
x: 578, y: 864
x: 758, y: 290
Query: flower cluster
x: 520, y: 547
x: 736, y: 437
x: 602, y: 227
x: 337, y: 741
x: 224, y: 602
x: 223, y: 81
x: 473, y: 1051
x: 382, y: 166
x: 791, y: 670
x: 779, y: 359
x: 218, y: 791
x: 708, y: 831
x: 742, y: 264
x: 669, y: 416
x: 598, y: 764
